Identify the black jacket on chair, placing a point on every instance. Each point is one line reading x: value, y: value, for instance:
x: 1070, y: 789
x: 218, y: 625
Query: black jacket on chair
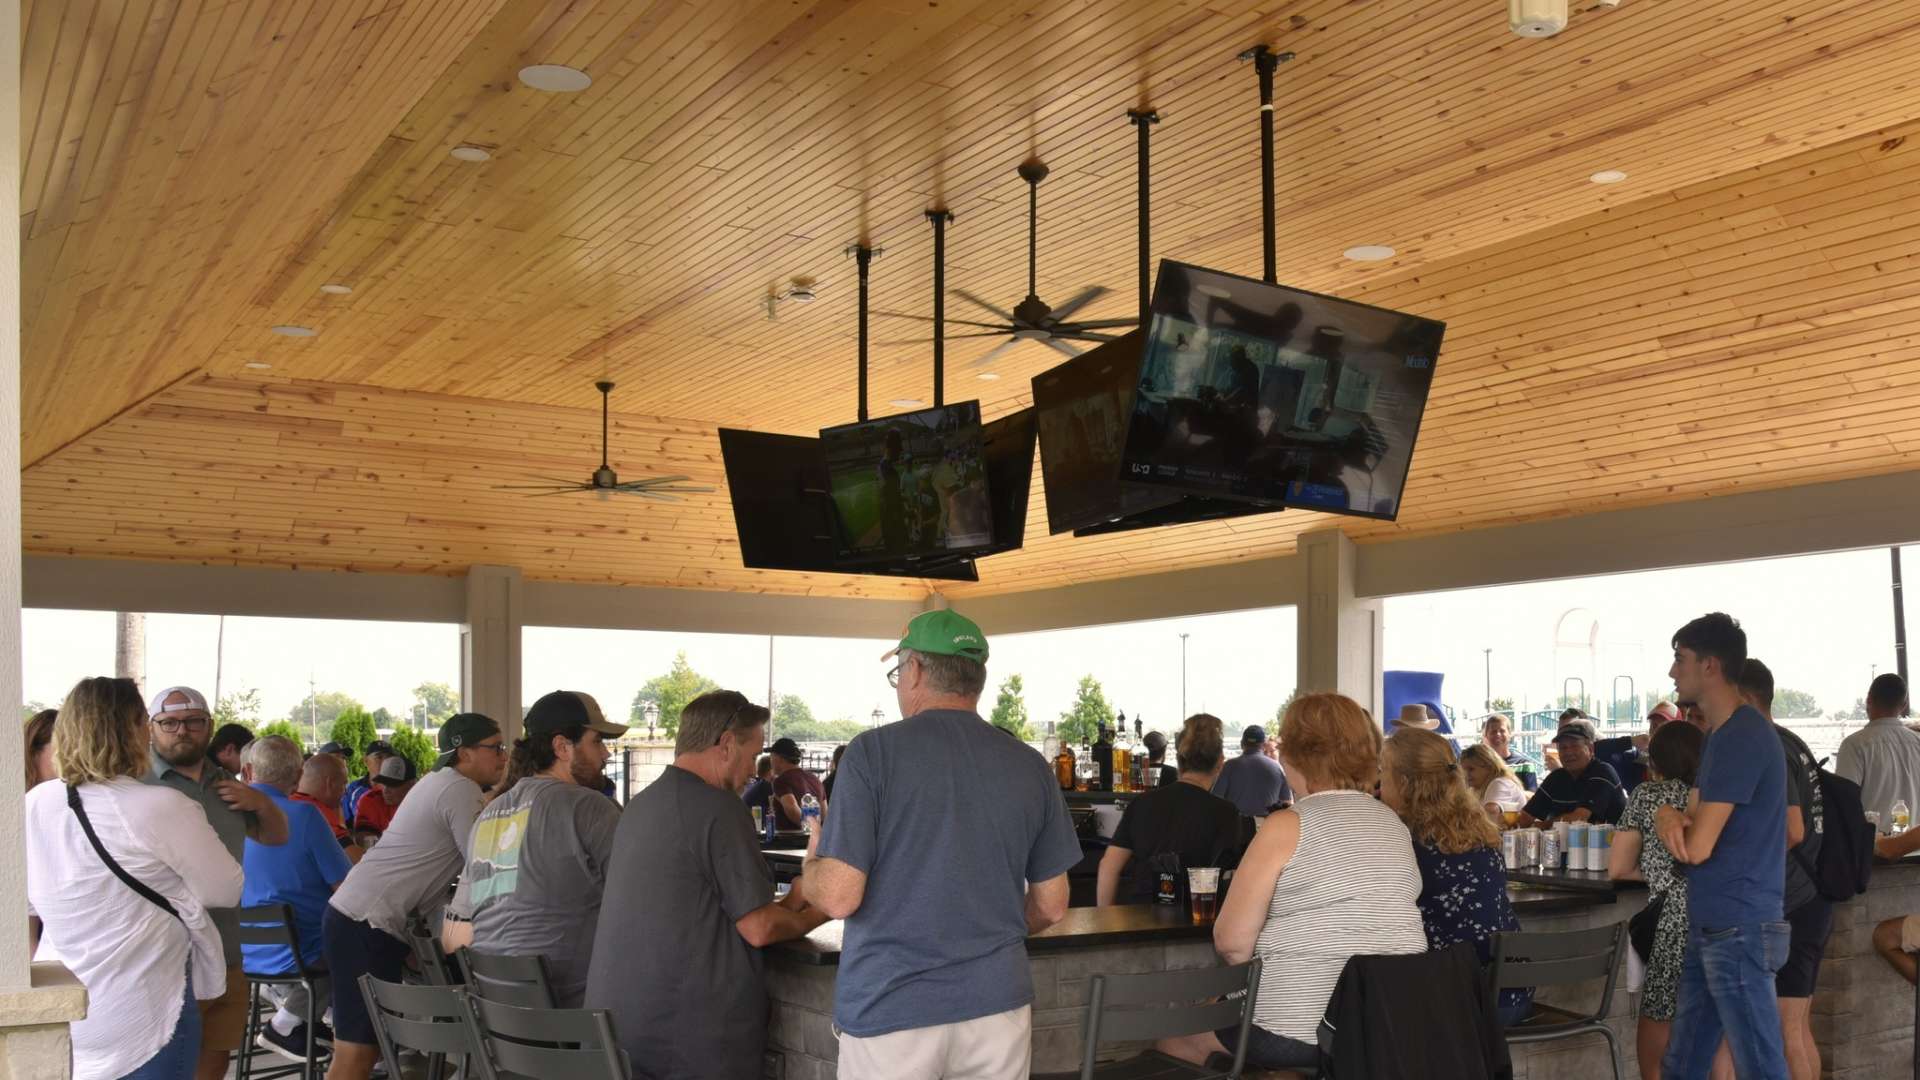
x: 1414, y: 1017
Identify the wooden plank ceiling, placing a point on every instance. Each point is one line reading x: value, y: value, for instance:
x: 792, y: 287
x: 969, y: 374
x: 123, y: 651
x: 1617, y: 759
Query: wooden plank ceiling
x: 1740, y: 312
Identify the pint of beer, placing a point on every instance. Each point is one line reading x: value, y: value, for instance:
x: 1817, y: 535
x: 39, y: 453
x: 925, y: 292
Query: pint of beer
x: 1203, y: 893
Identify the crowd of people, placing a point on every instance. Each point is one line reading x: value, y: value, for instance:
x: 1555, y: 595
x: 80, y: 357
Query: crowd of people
x: 146, y: 830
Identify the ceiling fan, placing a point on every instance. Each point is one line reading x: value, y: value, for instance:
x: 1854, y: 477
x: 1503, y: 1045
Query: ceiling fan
x: 604, y: 480
x: 1031, y: 319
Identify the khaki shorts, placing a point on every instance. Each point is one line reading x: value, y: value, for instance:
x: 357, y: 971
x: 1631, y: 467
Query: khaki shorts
x: 223, y: 1020
x: 997, y: 1047
x: 1910, y: 934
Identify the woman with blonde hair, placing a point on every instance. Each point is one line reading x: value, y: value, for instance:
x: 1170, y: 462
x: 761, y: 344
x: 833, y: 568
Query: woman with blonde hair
x: 1491, y: 781
x: 1463, y: 879
x: 1327, y: 879
x: 121, y: 874
x: 1184, y: 820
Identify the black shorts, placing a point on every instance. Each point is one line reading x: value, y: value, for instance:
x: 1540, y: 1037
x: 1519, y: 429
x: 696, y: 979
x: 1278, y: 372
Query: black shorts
x: 1811, y: 923
x: 1266, y: 1050
x: 353, y: 949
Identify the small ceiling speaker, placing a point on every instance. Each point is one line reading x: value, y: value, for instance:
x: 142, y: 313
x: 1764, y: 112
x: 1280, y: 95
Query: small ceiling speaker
x: 1537, y: 18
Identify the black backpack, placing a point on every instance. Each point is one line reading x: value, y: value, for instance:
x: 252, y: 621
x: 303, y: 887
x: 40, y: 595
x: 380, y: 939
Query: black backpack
x: 1845, y: 861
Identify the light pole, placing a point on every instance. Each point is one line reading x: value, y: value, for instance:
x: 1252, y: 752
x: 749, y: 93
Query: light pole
x: 1183, y: 678
x: 1489, y: 653
x: 879, y: 717
x: 652, y: 710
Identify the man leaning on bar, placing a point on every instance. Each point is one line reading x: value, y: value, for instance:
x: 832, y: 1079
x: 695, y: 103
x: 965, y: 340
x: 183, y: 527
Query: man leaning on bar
x: 940, y: 873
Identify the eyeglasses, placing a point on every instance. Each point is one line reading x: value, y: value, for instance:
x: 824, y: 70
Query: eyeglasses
x: 175, y: 725
x: 731, y: 717
x: 498, y: 748
x: 893, y: 677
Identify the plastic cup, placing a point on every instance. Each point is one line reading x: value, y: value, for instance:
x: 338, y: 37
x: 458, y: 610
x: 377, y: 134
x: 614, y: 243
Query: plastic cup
x: 1203, y: 893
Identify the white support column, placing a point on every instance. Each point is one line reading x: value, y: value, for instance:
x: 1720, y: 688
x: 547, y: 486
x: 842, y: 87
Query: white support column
x: 1340, y: 638
x: 490, y: 646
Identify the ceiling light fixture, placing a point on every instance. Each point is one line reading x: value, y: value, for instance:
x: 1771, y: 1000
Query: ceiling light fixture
x: 336, y: 289
x: 1369, y: 253
x: 906, y: 403
x: 555, y: 78
x: 295, y: 331
x: 258, y: 366
x: 465, y: 152
x: 1537, y: 18
x: 989, y: 376
x: 1608, y: 176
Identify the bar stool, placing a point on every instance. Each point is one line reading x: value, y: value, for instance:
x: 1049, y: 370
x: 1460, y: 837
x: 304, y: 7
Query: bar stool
x: 1557, y: 959
x: 548, y: 1044
x: 272, y: 925
x: 1160, y: 1005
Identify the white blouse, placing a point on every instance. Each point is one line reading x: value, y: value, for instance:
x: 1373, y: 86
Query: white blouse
x: 1506, y: 792
x: 131, y: 956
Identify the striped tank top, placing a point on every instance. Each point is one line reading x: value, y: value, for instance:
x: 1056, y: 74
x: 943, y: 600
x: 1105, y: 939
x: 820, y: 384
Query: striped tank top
x: 1348, y: 890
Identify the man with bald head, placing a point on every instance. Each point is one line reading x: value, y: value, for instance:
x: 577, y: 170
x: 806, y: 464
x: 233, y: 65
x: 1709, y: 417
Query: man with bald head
x: 301, y: 873
x: 180, y: 729
x: 323, y: 781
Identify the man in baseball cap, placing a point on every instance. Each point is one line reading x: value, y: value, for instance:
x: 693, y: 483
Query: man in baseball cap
x: 1253, y: 781
x: 538, y: 862
x: 939, y: 797
x: 1582, y: 788
x: 375, y: 752
x: 393, y: 781
x: 791, y: 783
x: 180, y: 726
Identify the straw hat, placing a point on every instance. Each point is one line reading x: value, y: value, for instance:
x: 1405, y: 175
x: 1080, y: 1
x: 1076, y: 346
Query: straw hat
x: 1416, y: 716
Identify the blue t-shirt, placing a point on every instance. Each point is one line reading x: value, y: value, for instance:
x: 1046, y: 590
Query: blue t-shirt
x: 1253, y: 782
x: 350, y: 800
x: 302, y: 872
x: 1743, y: 880
x: 949, y: 819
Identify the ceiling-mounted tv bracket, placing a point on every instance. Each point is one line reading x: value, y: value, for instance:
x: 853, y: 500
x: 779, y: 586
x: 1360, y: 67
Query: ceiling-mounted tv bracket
x: 1144, y: 119
x: 1266, y: 62
x: 863, y: 258
x: 940, y: 218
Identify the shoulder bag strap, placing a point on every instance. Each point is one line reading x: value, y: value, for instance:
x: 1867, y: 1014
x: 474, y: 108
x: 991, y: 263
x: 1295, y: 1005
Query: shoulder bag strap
x: 86, y: 826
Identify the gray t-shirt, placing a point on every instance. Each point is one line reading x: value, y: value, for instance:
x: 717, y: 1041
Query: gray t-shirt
x: 535, y: 868
x: 417, y: 857
x: 1253, y: 782
x: 229, y: 824
x: 949, y: 819
x: 687, y: 993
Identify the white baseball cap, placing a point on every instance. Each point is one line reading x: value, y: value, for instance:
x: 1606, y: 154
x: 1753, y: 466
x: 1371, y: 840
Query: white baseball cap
x: 195, y: 700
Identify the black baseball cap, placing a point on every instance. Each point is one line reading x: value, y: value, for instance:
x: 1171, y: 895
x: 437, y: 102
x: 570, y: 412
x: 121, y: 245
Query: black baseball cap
x: 378, y: 746
x: 787, y: 749
x: 332, y: 747
x: 463, y: 729
x: 397, y: 769
x: 564, y: 710
x: 1254, y: 733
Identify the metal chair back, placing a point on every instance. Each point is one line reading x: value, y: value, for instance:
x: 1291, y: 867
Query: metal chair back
x: 431, y: 1020
x: 1168, y: 1003
x: 1558, y: 959
x: 510, y: 980
x: 547, y: 1044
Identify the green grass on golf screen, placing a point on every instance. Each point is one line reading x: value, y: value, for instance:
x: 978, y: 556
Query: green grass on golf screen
x: 857, y: 497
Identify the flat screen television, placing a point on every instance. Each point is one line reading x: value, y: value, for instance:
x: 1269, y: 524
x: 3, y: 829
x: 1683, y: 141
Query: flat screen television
x: 911, y: 487
x: 784, y: 515
x: 1008, y: 445
x: 1083, y: 407
x: 1184, y: 510
x: 1257, y: 391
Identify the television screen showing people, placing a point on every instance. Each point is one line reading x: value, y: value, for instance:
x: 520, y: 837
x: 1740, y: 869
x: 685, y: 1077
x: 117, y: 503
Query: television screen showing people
x: 1279, y: 395
x: 1083, y: 406
x: 910, y: 485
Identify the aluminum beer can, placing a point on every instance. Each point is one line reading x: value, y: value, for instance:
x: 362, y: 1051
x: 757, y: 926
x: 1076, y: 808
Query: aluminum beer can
x: 1509, y: 849
x: 1599, y: 846
x: 1577, y: 845
x: 1527, y: 847
x: 1550, y: 850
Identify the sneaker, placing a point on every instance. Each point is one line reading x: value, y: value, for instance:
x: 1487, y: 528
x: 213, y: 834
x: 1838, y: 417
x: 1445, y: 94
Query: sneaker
x: 293, y: 1045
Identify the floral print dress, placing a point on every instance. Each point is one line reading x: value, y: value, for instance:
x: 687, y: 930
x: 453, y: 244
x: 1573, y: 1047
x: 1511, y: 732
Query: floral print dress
x: 1463, y: 897
x: 1659, y: 994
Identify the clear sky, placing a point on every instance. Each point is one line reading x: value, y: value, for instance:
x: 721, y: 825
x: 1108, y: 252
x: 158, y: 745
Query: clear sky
x: 1823, y: 622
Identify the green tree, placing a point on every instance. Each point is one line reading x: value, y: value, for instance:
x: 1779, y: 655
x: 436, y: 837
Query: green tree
x: 1503, y: 705
x: 1280, y: 713
x: 1795, y: 704
x: 1654, y: 697
x: 30, y: 710
x: 287, y: 730
x: 353, y: 728
x: 670, y: 694
x: 383, y: 720
x: 1090, y: 713
x: 317, y: 711
x: 1010, y: 709
x: 242, y: 708
x: 1855, y: 715
x: 810, y: 730
x: 433, y: 702
x: 790, y: 711
x: 416, y: 746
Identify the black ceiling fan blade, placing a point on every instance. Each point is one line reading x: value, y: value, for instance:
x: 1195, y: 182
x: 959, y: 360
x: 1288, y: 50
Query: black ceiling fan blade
x: 1060, y: 346
x: 558, y: 485
x: 929, y: 318
x: 1078, y: 301
x: 1097, y: 324
x: 979, y: 303
x: 987, y: 357
x: 1078, y: 336
x: 1002, y: 331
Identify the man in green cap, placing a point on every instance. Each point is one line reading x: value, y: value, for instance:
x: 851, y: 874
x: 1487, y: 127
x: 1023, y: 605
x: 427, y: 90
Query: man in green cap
x: 941, y: 821
x: 364, y: 931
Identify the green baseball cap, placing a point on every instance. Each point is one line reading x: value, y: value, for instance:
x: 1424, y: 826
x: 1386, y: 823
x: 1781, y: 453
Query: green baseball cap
x: 463, y: 729
x: 943, y: 633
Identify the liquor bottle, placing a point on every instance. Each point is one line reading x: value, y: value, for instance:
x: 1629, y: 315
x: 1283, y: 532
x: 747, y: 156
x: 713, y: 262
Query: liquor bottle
x: 1122, y: 756
x: 1902, y: 817
x: 1063, y: 763
x: 1103, y: 762
x: 1050, y: 745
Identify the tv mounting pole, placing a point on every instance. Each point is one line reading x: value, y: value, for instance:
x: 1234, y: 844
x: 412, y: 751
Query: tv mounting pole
x: 940, y: 218
x: 1266, y: 62
x: 1144, y: 119
x: 863, y: 257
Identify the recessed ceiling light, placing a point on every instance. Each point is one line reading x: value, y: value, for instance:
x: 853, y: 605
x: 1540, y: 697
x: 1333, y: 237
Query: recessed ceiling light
x: 1369, y: 253
x: 906, y: 403
x: 1608, y: 176
x: 470, y: 153
x: 336, y: 289
x: 295, y: 331
x: 555, y: 78
x: 989, y: 375
x: 1214, y: 291
x: 258, y: 366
